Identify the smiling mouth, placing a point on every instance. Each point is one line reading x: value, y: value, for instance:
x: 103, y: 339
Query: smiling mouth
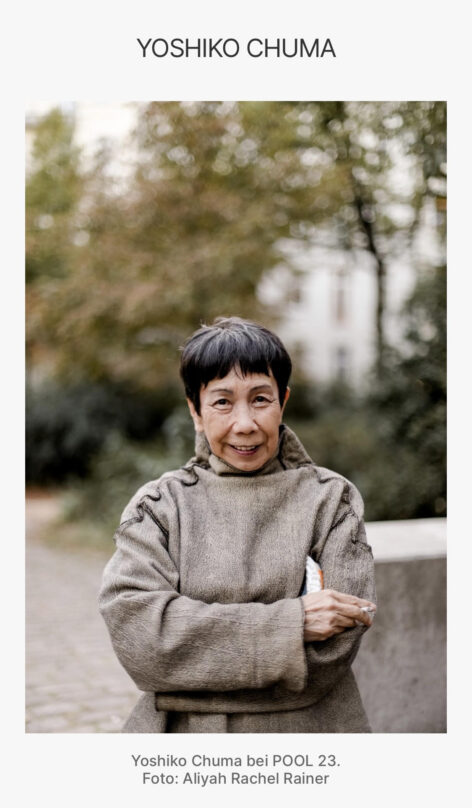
x: 245, y: 450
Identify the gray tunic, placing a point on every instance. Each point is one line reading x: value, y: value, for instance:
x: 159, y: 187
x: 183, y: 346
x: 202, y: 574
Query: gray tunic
x: 201, y: 597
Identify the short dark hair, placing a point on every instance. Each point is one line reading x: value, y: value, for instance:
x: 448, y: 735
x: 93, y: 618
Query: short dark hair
x: 230, y: 342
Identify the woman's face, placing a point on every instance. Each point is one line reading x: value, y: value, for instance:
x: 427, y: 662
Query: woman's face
x: 240, y: 416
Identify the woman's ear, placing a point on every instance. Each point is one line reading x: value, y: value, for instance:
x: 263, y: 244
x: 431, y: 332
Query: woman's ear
x: 286, y: 398
x: 196, y: 418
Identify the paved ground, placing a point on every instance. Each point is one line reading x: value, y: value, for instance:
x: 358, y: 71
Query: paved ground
x: 73, y: 681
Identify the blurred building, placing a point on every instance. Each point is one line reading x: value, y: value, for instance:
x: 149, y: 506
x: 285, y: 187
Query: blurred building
x: 329, y: 314
x: 328, y: 317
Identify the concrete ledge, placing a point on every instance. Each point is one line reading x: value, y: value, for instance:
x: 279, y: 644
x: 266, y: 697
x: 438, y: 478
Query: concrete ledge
x: 407, y: 539
x: 401, y: 666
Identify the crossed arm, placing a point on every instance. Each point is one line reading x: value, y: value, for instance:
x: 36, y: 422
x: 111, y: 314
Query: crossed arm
x: 168, y: 642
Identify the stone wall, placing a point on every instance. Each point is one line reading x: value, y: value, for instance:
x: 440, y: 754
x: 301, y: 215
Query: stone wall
x: 401, y: 666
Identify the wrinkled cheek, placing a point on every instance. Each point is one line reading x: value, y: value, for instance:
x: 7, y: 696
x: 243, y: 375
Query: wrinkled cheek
x: 214, y: 446
x: 217, y: 446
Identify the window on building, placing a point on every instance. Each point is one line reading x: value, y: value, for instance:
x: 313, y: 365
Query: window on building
x: 340, y: 304
x: 342, y: 363
x: 340, y: 297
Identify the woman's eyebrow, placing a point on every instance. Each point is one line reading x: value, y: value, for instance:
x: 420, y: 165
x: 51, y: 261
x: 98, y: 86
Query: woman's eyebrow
x: 229, y: 391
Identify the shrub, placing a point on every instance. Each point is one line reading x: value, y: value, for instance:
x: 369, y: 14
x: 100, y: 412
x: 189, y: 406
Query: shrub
x: 67, y: 426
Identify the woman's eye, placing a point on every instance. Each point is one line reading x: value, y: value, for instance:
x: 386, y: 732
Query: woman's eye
x: 222, y: 402
x: 261, y: 400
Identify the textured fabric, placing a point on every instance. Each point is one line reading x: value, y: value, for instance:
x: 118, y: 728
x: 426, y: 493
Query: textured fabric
x: 201, y: 597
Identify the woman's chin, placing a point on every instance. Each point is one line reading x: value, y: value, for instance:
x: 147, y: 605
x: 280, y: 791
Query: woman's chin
x: 246, y: 461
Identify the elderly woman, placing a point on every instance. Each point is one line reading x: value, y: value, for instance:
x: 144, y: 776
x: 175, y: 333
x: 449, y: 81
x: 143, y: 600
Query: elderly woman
x: 204, y: 598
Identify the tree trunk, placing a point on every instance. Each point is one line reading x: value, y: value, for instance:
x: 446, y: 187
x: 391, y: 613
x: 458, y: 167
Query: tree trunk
x: 367, y: 227
x: 362, y: 206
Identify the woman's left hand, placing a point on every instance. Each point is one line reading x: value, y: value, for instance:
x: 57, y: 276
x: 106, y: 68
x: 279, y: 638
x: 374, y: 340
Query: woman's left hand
x: 330, y: 612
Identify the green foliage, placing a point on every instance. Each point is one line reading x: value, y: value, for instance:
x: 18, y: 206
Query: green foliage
x: 52, y: 186
x: 53, y: 191
x: 116, y: 473
x: 410, y: 399
x: 392, y: 443
x: 67, y: 427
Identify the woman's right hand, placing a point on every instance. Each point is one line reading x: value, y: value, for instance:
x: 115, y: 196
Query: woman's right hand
x: 329, y: 612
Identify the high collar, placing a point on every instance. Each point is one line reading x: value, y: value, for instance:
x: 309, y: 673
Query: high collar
x: 290, y: 454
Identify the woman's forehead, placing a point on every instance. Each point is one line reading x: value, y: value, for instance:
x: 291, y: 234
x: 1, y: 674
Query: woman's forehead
x: 235, y: 380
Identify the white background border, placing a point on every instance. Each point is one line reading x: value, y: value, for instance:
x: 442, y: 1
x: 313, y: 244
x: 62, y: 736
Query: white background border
x: 402, y: 50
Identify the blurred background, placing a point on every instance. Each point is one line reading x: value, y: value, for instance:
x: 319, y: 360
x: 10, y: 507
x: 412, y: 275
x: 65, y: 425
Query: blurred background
x: 325, y: 221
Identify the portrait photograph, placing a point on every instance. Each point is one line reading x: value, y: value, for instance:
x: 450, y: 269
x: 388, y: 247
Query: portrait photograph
x: 236, y: 417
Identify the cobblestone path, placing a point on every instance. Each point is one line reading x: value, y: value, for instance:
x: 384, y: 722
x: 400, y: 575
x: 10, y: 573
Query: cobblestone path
x: 74, y: 682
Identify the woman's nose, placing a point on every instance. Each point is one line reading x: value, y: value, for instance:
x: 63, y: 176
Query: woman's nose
x: 244, y: 420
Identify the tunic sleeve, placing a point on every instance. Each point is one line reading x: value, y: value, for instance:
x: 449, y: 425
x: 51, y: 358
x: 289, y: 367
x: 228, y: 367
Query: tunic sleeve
x: 168, y: 642
x: 348, y: 566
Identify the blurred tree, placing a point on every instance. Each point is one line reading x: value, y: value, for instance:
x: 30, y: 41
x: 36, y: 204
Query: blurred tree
x: 381, y: 162
x: 54, y: 189
x: 53, y: 192
x: 189, y: 238
x: 409, y: 406
x: 219, y: 190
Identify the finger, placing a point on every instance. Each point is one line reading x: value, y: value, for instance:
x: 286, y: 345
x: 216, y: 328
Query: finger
x: 352, y: 616
x: 356, y: 612
x: 344, y: 621
x: 332, y: 631
x: 355, y: 617
x: 342, y: 597
x: 338, y: 630
x: 364, y: 618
